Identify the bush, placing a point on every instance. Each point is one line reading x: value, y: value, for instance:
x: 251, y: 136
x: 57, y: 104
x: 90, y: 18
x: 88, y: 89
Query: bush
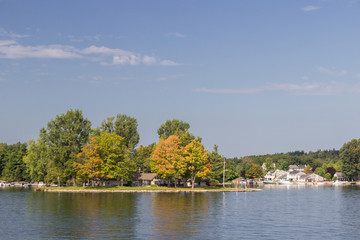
x: 153, y: 185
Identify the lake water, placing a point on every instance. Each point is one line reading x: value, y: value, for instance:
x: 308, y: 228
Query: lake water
x: 278, y: 212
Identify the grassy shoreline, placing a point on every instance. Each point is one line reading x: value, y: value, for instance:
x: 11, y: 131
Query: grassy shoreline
x: 144, y: 189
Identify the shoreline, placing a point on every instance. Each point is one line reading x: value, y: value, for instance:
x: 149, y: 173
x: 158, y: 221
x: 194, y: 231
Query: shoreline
x: 150, y: 191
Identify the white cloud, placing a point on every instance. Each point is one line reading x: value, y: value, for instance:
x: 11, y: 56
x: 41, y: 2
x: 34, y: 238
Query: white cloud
x: 168, y: 63
x: 10, y: 49
x: 331, y: 72
x: 314, y: 89
x: 310, y: 8
x: 7, y: 42
x: 105, y: 50
x: 175, y: 34
x: 149, y: 60
x: 16, y: 51
x: 126, y: 59
x: 5, y: 33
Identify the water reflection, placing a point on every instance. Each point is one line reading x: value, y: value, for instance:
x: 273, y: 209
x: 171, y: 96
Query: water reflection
x: 85, y: 215
x: 278, y: 212
x: 176, y: 215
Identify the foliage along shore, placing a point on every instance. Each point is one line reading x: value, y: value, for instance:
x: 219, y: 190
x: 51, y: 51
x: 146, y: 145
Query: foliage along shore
x: 70, y: 152
x: 144, y: 189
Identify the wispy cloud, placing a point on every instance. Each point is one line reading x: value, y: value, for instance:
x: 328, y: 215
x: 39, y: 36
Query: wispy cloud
x: 310, y: 8
x: 332, y: 72
x: 169, y: 63
x: 166, y: 78
x: 175, y: 34
x: 10, y: 49
x: 315, y: 89
x: 74, y: 39
x: 229, y: 90
x: 12, y: 35
x: 16, y: 51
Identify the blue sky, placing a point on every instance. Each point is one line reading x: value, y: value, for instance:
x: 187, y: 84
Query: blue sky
x: 253, y: 77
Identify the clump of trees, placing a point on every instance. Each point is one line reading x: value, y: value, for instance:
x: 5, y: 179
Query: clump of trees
x: 68, y: 150
x: 178, y: 155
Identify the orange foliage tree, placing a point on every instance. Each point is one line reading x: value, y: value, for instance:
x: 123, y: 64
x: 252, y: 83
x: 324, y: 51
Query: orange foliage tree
x: 167, y: 158
x: 255, y: 171
x: 89, y: 164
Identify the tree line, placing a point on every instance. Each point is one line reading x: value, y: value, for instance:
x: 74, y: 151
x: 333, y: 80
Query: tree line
x: 69, y: 151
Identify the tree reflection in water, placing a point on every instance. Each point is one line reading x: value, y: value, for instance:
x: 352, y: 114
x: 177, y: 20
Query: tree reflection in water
x: 179, y: 214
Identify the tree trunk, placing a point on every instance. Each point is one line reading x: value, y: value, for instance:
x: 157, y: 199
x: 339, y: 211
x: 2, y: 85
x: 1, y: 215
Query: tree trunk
x: 169, y: 181
x: 192, y: 182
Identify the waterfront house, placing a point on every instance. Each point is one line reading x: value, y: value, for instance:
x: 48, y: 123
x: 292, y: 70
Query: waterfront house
x: 311, y: 177
x: 148, y: 179
x: 297, y: 176
x: 294, y: 175
x: 340, y: 176
x: 275, y: 175
x: 299, y: 168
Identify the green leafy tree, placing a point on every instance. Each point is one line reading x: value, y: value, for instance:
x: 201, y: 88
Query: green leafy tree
x: 14, y: 168
x: 37, y: 161
x: 178, y: 128
x: 350, y: 156
x: 124, y: 126
x: 142, y: 158
x: 320, y: 171
x: 65, y: 136
x: 269, y: 164
x: 328, y: 176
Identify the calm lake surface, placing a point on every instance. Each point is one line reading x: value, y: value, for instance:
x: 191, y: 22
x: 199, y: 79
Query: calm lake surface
x: 278, y: 212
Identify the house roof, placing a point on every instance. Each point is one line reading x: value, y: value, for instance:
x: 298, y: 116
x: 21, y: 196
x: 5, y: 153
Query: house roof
x: 146, y: 176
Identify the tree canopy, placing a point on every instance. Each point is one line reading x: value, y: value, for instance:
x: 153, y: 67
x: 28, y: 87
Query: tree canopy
x: 124, y: 126
x: 64, y: 137
x: 178, y: 128
x: 350, y: 156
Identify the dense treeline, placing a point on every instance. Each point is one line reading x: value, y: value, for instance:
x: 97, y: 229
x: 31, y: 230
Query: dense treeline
x: 69, y: 151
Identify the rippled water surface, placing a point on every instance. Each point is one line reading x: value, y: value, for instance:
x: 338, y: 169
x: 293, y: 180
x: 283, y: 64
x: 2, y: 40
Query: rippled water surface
x: 278, y: 212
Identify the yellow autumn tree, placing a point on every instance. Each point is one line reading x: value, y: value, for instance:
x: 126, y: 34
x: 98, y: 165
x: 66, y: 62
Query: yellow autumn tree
x: 196, y: 161
x: 167, y: 157
x: 89, y: 164
x: 105, y: 157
